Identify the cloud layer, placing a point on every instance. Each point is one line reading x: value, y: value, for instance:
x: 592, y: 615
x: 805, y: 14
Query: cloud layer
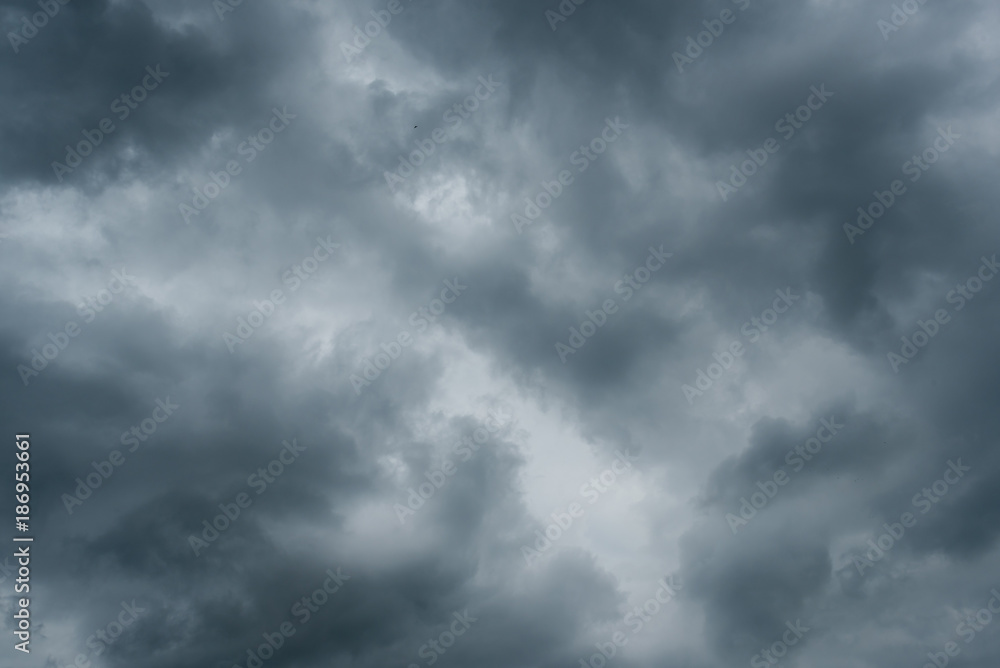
x: 503, y: 333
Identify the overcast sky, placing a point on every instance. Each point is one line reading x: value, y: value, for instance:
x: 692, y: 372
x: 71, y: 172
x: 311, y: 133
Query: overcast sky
x: 521, y: 327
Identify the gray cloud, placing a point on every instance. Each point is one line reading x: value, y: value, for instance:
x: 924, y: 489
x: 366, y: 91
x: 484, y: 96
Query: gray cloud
x: 324, y: 177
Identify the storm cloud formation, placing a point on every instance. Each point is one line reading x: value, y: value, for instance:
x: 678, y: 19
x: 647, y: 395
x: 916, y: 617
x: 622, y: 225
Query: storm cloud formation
x: 503, y: 333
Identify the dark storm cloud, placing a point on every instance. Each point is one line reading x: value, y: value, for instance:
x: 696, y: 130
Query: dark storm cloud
x: 65, y: 86
x: 795, y: 560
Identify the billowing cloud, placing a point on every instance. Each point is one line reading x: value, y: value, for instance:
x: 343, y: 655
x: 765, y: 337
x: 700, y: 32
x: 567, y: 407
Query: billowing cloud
x: 502, y: 333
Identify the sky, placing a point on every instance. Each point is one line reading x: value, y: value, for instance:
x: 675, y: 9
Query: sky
x: 539, y: 334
